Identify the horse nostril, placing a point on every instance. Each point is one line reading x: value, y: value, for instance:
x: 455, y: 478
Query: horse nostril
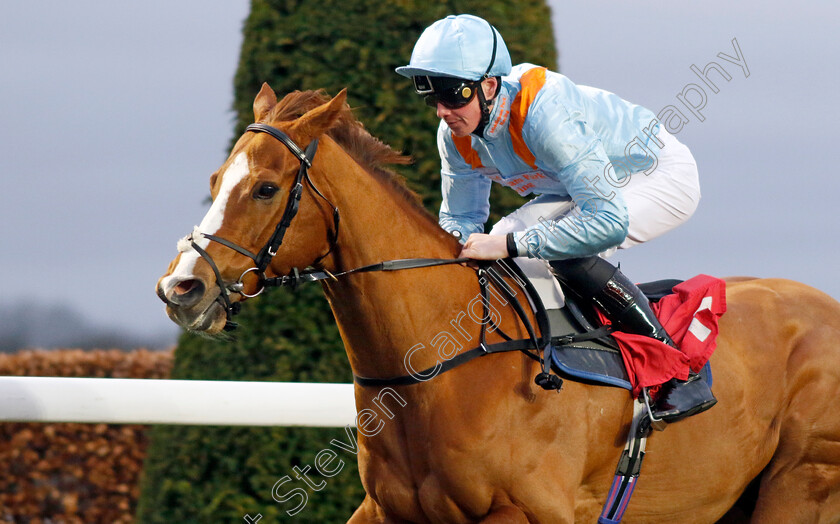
x: 187, y: 293
x: 185, y: 287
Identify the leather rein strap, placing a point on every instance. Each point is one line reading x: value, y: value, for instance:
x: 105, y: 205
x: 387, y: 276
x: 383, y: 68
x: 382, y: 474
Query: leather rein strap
x: 297, y: 277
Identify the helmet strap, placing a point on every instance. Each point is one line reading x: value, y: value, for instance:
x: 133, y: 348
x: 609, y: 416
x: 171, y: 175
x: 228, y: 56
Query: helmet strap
x: 492, y: 55
x: 482, y: 101
x: 485, y: 106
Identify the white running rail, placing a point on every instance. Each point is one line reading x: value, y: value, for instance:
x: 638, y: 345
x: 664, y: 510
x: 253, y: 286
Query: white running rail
x: 182, y: 402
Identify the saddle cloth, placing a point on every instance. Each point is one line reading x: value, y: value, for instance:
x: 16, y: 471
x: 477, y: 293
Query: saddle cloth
x: 689, y: 311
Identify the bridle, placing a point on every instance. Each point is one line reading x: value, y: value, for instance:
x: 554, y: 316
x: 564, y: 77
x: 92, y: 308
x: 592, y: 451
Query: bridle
x: 485, y: 274
x: 262, y: 259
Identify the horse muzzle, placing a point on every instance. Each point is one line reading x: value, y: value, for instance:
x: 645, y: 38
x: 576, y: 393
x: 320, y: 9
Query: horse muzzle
x: 192, y: 303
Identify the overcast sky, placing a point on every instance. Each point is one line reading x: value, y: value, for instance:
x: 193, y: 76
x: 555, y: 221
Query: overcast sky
x: 113, y: 116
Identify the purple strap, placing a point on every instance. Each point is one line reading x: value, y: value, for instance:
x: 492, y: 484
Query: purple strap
x: 628, y: 470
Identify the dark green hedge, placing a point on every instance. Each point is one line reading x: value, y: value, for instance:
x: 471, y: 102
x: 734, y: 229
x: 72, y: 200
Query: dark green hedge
x: 207, y: 475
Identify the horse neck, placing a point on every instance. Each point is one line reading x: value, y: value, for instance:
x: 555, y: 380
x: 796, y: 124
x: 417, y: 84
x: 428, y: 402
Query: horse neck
x: 381, y: 315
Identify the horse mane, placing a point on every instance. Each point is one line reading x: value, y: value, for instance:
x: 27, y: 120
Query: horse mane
x: 367, y: 150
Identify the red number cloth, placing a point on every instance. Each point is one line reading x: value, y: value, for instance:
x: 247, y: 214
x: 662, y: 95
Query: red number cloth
x: 690, y: 315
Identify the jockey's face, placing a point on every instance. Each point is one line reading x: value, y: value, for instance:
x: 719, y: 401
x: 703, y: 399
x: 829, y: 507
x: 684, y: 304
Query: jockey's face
x: 464, y: 120
x: 461, y: 121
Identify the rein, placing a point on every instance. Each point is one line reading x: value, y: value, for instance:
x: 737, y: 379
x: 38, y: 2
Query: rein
x: 485, y: 273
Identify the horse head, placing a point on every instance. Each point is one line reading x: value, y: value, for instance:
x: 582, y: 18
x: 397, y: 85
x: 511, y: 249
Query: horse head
x: 263, y: 196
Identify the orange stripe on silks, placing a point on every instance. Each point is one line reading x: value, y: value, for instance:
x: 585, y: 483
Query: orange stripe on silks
x: 532, y: 81
x: 464, y: 146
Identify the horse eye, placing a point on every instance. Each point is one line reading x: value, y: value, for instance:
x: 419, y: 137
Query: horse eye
x: 265, y: 191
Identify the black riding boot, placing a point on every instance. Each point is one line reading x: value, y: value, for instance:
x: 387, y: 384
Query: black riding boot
x: 603, y: 285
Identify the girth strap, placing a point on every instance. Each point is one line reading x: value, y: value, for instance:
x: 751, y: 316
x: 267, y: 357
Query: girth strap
x: 457, y: 360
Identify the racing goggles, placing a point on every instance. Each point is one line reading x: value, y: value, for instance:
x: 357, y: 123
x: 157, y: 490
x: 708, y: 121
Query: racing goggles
x: 451, y: 93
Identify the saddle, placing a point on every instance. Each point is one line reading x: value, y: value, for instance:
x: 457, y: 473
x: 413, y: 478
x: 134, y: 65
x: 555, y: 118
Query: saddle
x: 582, y: 352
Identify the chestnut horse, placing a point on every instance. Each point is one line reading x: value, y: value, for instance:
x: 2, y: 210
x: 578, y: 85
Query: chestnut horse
x: 481, y: 443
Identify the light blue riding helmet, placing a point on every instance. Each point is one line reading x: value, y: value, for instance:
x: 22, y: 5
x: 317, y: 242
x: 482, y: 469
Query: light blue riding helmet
x: 462, y: 46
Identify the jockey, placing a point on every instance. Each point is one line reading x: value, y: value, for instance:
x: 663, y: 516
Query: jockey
x: 608, y: 175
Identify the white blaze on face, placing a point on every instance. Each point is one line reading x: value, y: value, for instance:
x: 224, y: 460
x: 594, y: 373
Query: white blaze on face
x: 235, y: 173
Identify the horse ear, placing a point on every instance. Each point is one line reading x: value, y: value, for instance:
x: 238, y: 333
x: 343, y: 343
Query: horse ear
x: 266, y: 99
x: 317, y: 121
